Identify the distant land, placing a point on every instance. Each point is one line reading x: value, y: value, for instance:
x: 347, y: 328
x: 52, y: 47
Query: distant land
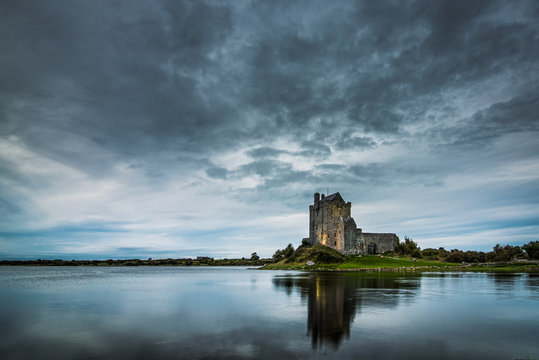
x: 408, y: 256
x: 199, y: 261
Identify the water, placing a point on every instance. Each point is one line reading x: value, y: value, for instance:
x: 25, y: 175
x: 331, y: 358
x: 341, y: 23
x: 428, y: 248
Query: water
x: 234, y: 313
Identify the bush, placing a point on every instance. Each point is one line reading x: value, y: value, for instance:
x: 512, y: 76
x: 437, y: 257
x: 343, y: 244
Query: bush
x: 305, y: 242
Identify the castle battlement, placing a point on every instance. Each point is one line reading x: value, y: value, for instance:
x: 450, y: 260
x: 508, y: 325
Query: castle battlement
x: 331, y: 224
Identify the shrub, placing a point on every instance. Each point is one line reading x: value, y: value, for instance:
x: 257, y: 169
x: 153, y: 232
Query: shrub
x: 305, y: 242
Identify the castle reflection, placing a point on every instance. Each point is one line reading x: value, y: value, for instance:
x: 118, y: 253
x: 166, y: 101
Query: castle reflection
x: 334, y: 298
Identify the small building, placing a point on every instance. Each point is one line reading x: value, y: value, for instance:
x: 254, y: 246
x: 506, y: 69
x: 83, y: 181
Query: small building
x: 331, y: 224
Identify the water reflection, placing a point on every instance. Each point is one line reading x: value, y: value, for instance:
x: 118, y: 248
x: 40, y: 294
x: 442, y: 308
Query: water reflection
x: 226, y: 313
x: 333, y: 299
x: 532, y: 284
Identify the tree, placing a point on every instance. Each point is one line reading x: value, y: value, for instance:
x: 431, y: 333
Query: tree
x: 532, y: 249
x: 443, y: 252
x: 288, y: 251
x: 456, y: 256
x: 277, y: 256
x: 255, y: 257
x: 408, y: 247
x: 431, y: 254
x: 504, y: 253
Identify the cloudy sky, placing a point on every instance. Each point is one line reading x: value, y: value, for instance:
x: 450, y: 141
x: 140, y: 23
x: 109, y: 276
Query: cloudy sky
x: 175, y: 129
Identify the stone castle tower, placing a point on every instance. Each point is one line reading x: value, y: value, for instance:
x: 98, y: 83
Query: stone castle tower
x: 331, y: 224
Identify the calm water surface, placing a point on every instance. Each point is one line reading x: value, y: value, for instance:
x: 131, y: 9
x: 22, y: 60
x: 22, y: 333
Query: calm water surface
x: 191, y: 312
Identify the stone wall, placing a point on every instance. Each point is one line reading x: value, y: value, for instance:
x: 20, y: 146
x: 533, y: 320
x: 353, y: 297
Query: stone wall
x: 350, y: 237
x: 383, y: 241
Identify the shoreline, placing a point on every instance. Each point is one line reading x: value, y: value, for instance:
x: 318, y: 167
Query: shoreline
x: 265, y: 264
x: 202, y: 261
x: 495, y: 268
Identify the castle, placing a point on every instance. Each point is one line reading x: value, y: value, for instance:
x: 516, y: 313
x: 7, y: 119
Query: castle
x: 331, y: 224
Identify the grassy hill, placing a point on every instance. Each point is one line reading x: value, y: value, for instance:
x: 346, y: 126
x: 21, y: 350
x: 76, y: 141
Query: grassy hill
x: 375, y: 262
x: 318, y: 254
x: 350, y: 263
x: 325, y: 258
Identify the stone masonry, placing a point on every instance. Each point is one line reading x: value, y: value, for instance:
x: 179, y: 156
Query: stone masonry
x: 331, y: 224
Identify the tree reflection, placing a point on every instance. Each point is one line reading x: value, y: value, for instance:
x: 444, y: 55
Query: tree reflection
x: 334, y: 298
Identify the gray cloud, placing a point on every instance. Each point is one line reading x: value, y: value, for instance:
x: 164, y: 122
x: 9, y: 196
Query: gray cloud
x: 500, y: 119
x: 315, y: 148
x: 217, y: 172
x: 346, y: 141
x: 264, y: 168
x: 265, y: 152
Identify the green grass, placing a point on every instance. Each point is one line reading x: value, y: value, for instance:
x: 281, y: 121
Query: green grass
x: 373, y: 262
x: 355, y: 263
x: 378, y: 262
x: 328, y: 259
x: 508, y: 268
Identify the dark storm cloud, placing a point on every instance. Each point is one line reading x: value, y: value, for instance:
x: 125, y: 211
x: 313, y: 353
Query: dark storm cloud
x: 363, y: 63
x: 454, y: 44
x: 102, y: 76
x: 175, y: 75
